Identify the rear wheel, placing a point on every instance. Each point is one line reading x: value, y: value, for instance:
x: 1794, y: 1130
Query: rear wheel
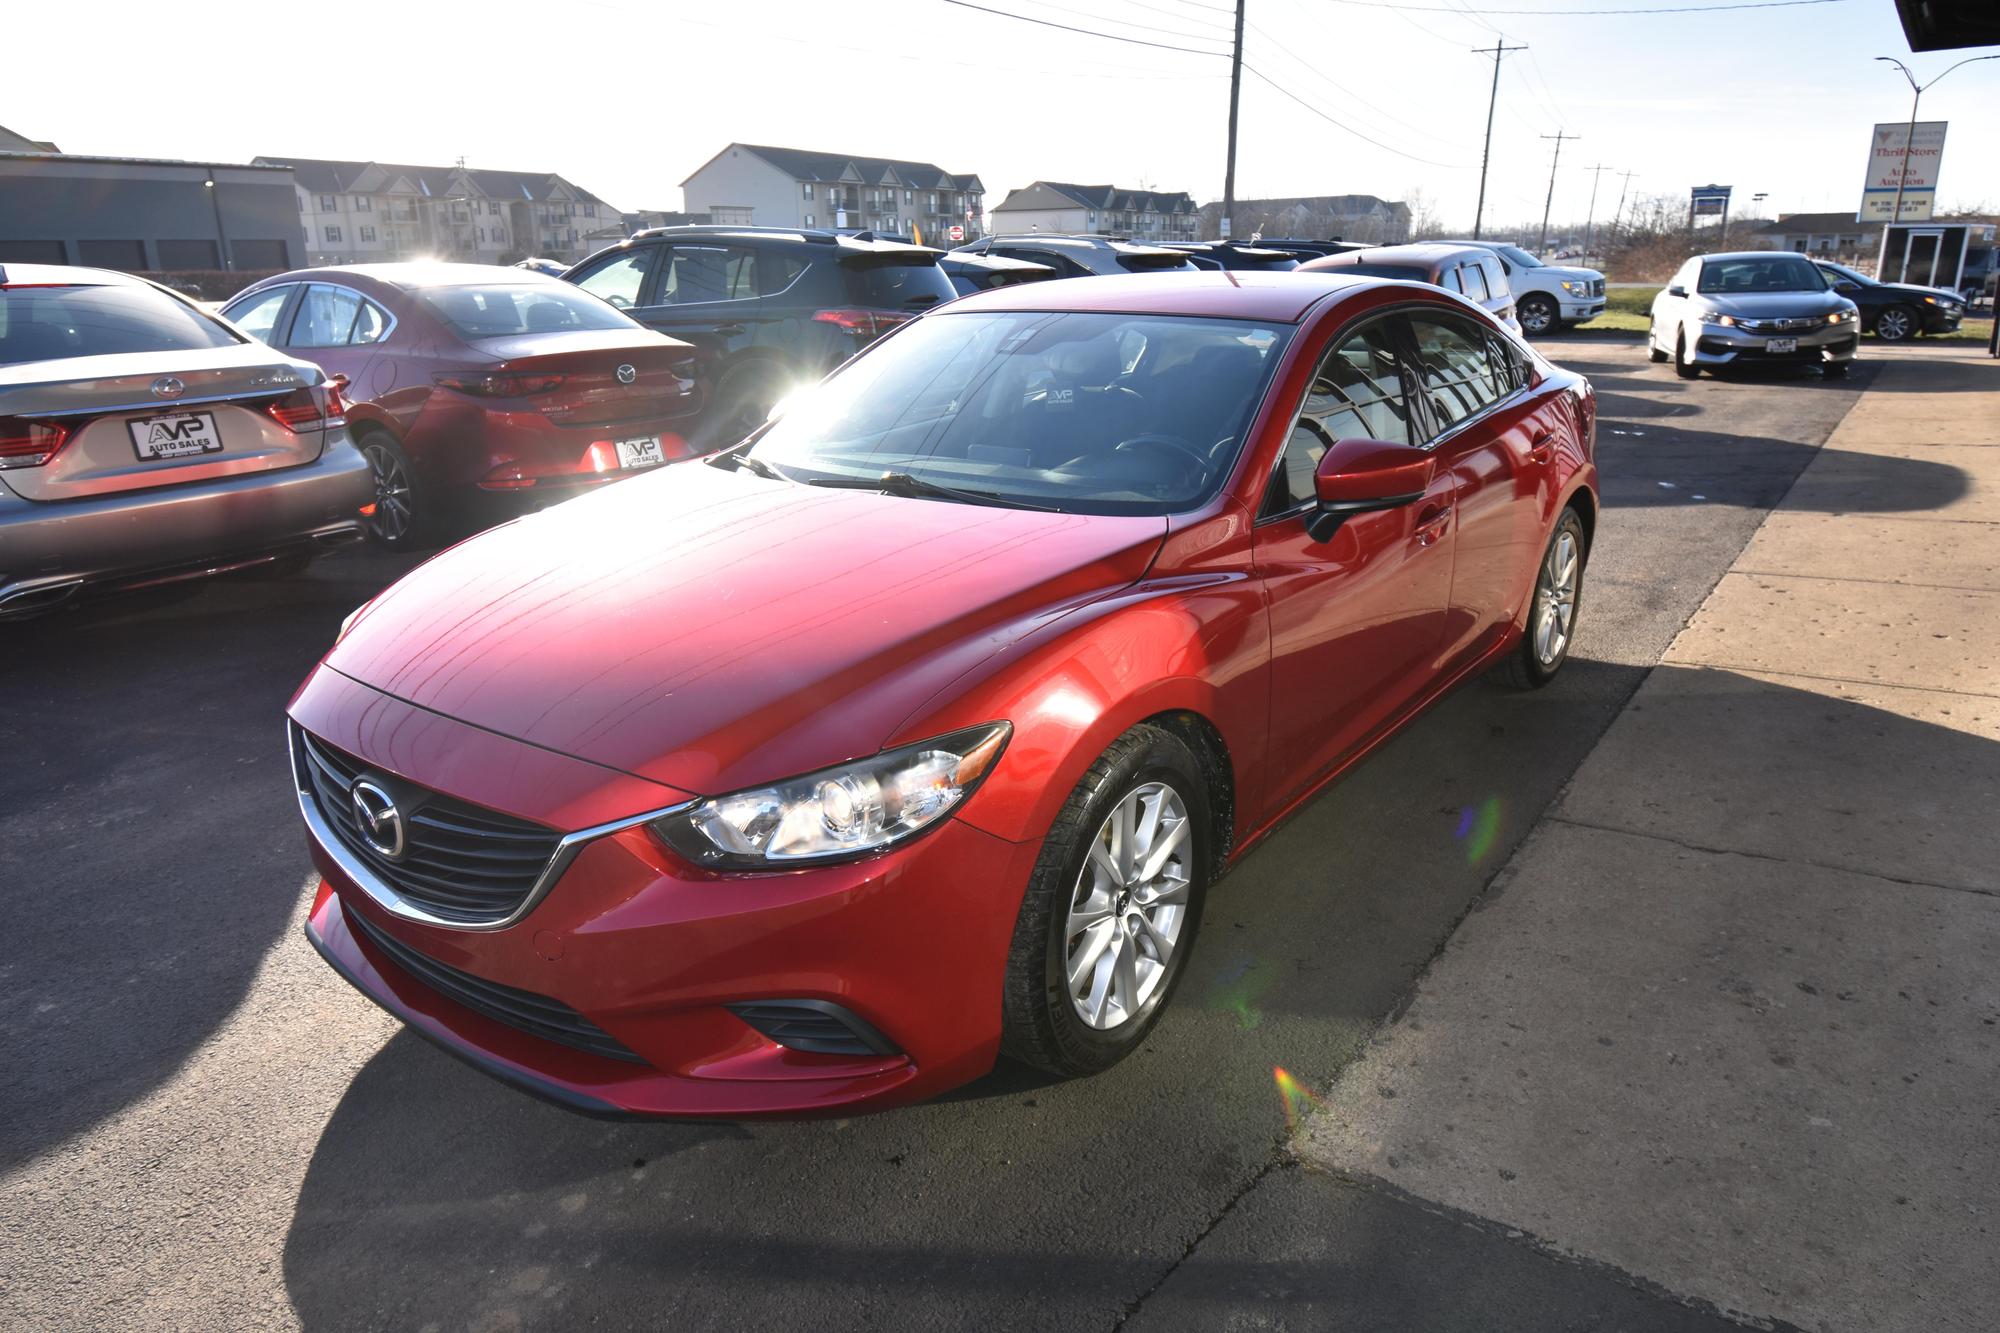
x: 1896, y: 324
x: 1111, y: 910
x: 398, y: 518
x: 1552, y: 617
x: 1683, y: 367
x: 1539, y: 315
x: 743, y: 402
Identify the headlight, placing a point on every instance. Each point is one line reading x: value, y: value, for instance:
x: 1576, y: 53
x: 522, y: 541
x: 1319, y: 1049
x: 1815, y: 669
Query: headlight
x: 1713, y: 317
x: 838, y: 812
x: 1576, y: 288
x: 1930, y: 300
x: 1840, y: 317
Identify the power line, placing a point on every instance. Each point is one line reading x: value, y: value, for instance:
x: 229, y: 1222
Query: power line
x: 1087, y: 32
x: 1252, y: 69
x: 1278, y: 47
x: 1589, y: 13
x: 1142, y: 25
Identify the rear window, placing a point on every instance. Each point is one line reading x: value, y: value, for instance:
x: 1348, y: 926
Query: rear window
x: 502, y: 310
x: 1154, y: 263
x: 1407, y: 272
x: 896, y: 284
x: 48, y: 323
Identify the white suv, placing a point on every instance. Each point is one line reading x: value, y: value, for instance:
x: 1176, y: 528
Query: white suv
x: 1547, y: 298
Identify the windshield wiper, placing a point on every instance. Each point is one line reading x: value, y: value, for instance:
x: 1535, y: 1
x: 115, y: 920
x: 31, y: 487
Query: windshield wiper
x: 903, y: 484
x: 738, y: 456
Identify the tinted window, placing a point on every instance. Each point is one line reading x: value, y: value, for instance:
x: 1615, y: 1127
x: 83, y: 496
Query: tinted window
x: 894, y: 286
x: 1520, y: 258
x: 498, y: 311
x: 1496, y: 280
x: 44, y: 323
x: 1456, y: 364
x: 1760, y: 273
x: 1473, y: 282
x: 620, y: 278
x: 1086, y: 413
x: 256, y: 314
x: 371, y: 325
x: 325, y: 317
x: 699, y: 273
x: 1061, y: 263
x: 1357, y: 393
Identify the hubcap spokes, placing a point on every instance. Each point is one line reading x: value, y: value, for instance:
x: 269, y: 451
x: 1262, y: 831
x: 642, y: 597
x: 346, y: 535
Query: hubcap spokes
x: 1555, y: 599
x: 392, y: 494
x: 1128, y: 907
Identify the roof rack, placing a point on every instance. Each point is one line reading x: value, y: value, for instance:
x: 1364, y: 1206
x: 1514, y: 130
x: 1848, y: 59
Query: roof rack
x: 813, y: 234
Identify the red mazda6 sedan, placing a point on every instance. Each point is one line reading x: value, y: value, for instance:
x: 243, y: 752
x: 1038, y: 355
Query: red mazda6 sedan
x: 479, y: 390
x: 912, y: 731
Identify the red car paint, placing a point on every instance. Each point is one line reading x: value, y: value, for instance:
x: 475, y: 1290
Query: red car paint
x: 547, y: 444
x: 706, y: 631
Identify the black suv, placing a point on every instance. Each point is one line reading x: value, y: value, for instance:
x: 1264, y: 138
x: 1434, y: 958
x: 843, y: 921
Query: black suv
x: 769, y: 309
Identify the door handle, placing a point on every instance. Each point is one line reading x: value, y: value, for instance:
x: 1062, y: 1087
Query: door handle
x: 1431, y: 523
x: 729, y: 330
x: 1543, y: 446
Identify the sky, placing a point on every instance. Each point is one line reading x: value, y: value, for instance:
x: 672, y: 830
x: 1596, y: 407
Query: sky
x: 1384, y: 97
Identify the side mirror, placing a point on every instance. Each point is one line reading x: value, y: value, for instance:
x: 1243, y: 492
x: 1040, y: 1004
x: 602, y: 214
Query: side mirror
x: 1358, y: 476
x: 1677, y: 290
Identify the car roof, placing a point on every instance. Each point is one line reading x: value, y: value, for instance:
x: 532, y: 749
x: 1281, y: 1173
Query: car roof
x: 1283, y: 298
x: 1420, y: 252
x: 65, y: 275
x: 417, y: 275
x: 1753, y: 254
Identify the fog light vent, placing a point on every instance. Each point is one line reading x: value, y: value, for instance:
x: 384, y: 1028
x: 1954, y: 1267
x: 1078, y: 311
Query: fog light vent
x: 816, y: 1026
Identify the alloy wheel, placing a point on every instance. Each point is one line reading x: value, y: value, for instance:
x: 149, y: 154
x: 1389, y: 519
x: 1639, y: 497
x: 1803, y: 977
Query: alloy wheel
x: 1893, y: 324
x: 1537, y: 316
x: 1128, y: 906
x: 1555, y: 599
x: 394, y: 513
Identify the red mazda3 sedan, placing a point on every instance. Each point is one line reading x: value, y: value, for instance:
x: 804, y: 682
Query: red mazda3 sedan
x: 479, y: 391
x: 817, y: 774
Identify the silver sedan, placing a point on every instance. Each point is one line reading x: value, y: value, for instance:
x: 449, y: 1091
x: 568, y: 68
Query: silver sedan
x: 1756, y: 307
x: 143, y: 440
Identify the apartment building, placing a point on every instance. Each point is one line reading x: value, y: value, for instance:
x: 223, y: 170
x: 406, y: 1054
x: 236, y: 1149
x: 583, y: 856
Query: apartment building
x: 363, y: 212
x: 1347, y: 217
x: 1109, y: 210
x: 758, y: 185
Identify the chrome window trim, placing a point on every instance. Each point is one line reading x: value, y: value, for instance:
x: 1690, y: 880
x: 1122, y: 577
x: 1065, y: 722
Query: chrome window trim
x: 386, y: 897
x: 360, y: 296
x: 1339, y: 339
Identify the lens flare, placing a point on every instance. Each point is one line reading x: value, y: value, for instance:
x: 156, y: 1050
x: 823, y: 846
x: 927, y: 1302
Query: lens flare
x: 1298, y: 1100
x: 1479, y: 828
x: 1238, y: 990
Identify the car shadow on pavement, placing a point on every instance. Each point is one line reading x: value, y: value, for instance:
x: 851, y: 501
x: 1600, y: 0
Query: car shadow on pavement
x: 149, y: 837
x: 438, y: 1195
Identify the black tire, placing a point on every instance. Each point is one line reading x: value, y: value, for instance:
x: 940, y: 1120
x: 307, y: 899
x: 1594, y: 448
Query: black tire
x: 1538, y: 315
x: 401, y: 518
x: 1835, y: 370
x: 1653, y: 352
x: 1683, y: 367
x: 1040, y: 1024
x: 743, y: 402
x: 1897, y: 323
x: 1527, y: 667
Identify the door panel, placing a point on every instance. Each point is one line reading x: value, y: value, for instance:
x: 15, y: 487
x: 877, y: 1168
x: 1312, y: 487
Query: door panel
x: 706, y: 293
x: 1355, y: 620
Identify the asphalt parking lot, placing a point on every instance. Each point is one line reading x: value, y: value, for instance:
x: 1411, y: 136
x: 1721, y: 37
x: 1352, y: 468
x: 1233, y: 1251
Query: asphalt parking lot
x: 203, y: 1126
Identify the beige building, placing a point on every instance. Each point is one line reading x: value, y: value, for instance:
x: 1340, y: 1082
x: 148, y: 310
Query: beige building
x: 364, y: 212
x: 1097, y: 210
x: 756, y: 185
x: 1345, y: 217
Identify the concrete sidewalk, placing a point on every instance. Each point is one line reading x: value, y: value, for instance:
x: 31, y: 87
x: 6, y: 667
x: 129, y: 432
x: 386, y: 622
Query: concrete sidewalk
x: 1727, y: 1022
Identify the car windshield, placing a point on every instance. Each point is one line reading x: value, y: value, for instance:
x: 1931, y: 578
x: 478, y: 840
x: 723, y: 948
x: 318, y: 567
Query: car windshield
x: 1521, y: 258
x: 1759, y: 273
x: 1083, y: 413
x: 50, y: 323
x: 1407, y: 272
x: 498, y: 311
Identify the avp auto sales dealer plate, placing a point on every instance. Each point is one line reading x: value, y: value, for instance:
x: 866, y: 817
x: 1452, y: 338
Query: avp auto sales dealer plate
x: 181, y: 435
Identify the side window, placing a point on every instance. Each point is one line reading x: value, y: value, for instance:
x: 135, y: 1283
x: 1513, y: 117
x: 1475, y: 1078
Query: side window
x: 698, y: 273
x: 1475, y: 283
x: 1449, y: 280
x: 621, y: 277
x: 325, y: 318
x: 780, y: 271
x: 1357, y: 392
x: 257, y: 315
x: 1496, y: 278
x: 1455, y: 361
x: 371, y: 325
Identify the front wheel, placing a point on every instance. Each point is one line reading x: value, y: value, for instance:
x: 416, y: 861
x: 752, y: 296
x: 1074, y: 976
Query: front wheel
x: 1654, y: 353
x: 1896, y: 324
x: 1111, y: 908
x: 396, y: 519
x: 1539, y: 315
x: 1552, y: 616
x: 1683, y: 367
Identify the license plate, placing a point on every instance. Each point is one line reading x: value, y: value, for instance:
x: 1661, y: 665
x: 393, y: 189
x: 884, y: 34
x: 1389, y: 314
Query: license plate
x: 1782, y: 345
x: 182, y: 435
x: 644, y: 452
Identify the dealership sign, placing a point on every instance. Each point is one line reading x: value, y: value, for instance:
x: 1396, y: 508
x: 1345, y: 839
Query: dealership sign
x: 1902, y: 156
x: 1708, y: 201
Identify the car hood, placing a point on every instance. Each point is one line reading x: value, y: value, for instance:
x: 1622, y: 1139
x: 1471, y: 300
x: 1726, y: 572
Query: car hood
x: 1774, y: 305
x: 1556, y: 273
x: 711, y: 630
x: 1914, y: 292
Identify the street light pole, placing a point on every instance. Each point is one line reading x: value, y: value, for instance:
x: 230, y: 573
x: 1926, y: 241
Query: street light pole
x: 1917, y: 91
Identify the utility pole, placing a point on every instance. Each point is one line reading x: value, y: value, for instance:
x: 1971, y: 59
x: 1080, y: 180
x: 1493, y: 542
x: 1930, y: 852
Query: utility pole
x: 1619, y: 216
x: 1498, y: 49
x: 1235, y: 92
x: 1590, y: 218
x: 1558, y: 136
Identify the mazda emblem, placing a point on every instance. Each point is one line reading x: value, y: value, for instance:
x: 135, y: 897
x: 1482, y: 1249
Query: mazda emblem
x: 380, y: 822
x: 627, y: 374
x: 167, y: 386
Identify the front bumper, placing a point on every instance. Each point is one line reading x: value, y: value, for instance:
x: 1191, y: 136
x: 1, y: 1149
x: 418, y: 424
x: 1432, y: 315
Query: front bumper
x: 654, y: 952
x: 58, y: 546
x: 1577, y: 309
x: 1719, y: 346
x: 1942, y: 319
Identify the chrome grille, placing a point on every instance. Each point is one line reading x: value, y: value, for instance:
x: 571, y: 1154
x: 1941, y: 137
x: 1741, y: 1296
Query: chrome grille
x: 462, y: 863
